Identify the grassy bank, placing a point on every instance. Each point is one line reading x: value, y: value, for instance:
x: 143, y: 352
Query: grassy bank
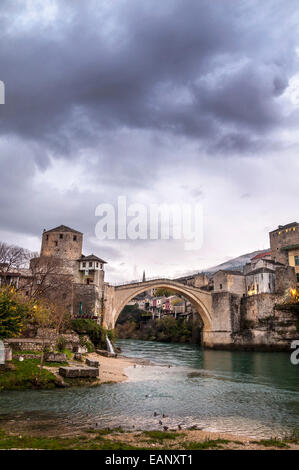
x: 24, y: 375
x: 117, y: 439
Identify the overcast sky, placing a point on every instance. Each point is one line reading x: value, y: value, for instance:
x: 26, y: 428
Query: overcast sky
x: 190, y: 101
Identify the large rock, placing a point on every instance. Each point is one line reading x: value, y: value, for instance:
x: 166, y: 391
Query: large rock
x: 80, y: 349
x: 55, y: 357
x: 92, y: 363
x: 103, y: 352
x: 78, y: 372
x: 8, y: 354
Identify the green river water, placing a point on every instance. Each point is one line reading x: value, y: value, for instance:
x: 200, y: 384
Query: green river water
x: 245, y: 393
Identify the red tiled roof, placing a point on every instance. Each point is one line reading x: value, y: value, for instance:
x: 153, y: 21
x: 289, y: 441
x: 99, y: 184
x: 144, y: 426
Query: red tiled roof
x: 261, y: 255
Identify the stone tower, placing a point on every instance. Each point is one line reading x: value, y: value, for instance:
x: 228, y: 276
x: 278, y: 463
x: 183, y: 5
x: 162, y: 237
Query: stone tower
x: 62, y: 242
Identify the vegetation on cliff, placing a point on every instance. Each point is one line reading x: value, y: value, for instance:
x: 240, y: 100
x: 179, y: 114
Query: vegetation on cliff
x: 96, y: 333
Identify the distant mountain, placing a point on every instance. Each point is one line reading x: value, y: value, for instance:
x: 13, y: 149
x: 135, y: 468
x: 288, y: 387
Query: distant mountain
x: 235, y: 264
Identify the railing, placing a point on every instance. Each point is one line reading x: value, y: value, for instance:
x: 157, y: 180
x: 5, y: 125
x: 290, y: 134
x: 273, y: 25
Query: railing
x: 149, y: 279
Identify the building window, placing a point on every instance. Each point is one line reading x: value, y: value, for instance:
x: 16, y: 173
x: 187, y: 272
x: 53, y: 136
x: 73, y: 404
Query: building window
x: 297, y: 277
x: 83, y: 264
x: 101, y: 266
x: 56, y: 243
x: 97, y: 265
x: 297, y: 260
x: 220, y: 286
x: 75, y: 238
x: 60, y: 236
x: 47, y: 237
x: 90, y: 264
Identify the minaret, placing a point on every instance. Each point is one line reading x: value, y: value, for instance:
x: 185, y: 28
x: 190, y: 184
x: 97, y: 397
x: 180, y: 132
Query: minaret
x: 143, y: 277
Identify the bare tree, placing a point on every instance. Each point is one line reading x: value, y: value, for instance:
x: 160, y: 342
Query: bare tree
x: 12, y: 257
x: 50, y: 283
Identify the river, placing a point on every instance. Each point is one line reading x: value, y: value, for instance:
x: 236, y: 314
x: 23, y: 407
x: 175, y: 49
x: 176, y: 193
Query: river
x: 244, y: 393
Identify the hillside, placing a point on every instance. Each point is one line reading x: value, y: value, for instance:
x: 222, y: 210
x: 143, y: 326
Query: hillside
x: 235, y: 263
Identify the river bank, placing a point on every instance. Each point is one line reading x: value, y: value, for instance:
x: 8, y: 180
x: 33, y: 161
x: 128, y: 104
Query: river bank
x: 24, y: 375
x: 28, y: 437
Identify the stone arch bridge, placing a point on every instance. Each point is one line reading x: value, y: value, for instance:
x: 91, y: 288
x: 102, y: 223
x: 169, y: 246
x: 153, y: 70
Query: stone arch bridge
x: 217, y: 327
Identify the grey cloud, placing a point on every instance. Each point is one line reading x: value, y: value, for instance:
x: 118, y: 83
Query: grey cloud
x: 68, y: 82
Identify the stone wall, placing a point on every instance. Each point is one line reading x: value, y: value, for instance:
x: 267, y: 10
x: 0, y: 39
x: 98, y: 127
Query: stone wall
x: 263, y: 326
x: 90, y: 297
x: 285, y: 279
x: 226, y: 320
x: 251, y: 323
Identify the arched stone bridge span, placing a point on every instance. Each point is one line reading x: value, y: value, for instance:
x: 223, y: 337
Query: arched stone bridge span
x: 215, y: 328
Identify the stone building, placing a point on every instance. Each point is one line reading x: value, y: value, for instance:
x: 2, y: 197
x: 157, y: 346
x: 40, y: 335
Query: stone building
x: 63, y: 245
x: 260, y: 280
x: 229, y: 281
x: 284, y: 243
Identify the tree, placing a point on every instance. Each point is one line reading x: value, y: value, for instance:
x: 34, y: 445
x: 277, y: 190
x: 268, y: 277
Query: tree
x: 50, y: 284
x: 41, y: 315
x: 14, y: 312
x: 163, y: 292
x: 12, y: 258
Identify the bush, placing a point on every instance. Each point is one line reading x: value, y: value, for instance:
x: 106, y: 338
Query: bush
x: 95, y: 332
x: 14, y: 312
x: 61, y: 343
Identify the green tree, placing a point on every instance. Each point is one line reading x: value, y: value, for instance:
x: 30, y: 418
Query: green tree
x: 163, y: 292
x: 14, y: 312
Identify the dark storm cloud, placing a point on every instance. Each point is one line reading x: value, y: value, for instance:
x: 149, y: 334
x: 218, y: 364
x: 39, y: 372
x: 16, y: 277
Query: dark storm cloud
x: 133, y: 63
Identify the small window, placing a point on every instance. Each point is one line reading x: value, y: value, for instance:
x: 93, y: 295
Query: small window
x: 97, y: 265
x: 297, y: 260
x: 90, y: 264
x: 75, y: 238
x: 297, y: 277
x: 47, y: 237
x: 56, y: 243
x: 60, y: 236
x: 84, y: 265
x: 220, y: 286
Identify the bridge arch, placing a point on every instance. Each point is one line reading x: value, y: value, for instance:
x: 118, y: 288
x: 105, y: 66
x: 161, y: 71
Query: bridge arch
x: 200, y: 299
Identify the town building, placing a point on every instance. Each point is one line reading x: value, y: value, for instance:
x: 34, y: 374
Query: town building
x: 229, y: 281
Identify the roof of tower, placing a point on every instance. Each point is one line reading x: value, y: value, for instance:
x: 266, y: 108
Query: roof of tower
x: 92, y: 257
x: 63, y: 228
